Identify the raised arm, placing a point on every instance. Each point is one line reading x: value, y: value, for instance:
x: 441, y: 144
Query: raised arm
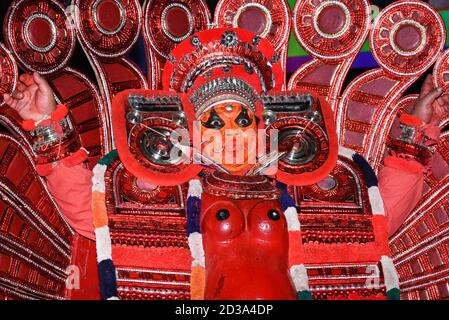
x: 401, y: 179
x: 60, y: 156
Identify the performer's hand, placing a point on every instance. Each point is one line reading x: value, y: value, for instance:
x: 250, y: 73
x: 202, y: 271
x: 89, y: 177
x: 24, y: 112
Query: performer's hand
x: 33, y: 97
x: 431, y: 105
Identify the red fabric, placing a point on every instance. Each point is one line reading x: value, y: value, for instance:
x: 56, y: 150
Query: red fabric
x: 401, y: 186
x: 403, y: 164
x: 60, y: 113
x: 84, y: 259
x: 401, y: 180
x: 71, y: 187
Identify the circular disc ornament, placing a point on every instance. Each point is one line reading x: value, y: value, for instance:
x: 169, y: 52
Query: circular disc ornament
x: 331, y: 29
x: 266, y: 18
x: 407, y: 37
x: 168, y: 23
x: 441, y: 72
x: 8, y: 73
x: 37, y: 33
x: 109, y: 28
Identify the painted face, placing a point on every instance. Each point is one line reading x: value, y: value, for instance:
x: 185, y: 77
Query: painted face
x: 229, y: 135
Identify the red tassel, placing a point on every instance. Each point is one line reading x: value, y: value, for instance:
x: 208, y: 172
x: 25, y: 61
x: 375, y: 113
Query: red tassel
x: 410, y: 120
x: 75, y: 158
x: 59, y: 113
x: 28, y: 125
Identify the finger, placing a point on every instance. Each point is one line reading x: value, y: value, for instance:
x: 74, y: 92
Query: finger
x: 17, y: 95
x: 445, y: 98
x: 10, y: 101
x: 41, y: 83
x: 430, y: 97
x: 427, y: 86
x: 21, y: 86
x: 443, y: 101
x: 7, y: 98
x: 27, y: 79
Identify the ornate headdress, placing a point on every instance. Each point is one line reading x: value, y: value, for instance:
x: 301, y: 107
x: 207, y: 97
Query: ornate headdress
x: 215, y: 66
x: 219, y: 89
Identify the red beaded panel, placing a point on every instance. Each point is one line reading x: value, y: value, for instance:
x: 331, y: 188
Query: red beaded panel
x: 266, y: 18
x: 337, y: 209
x: 406, y: 39
x: 342, y: 240
x: 331, y: 29
x: 107, y: 30
x: 391, y: 129
x: 149, y: 218
x: 8, y: 72
x: 149, y: 237
x: 441, y: 71
x: 151, y: 284
x: 36, y: 31
x: 32, y: 22
x: 346, y: 281
x: 86, y: 110
x: 333, y: 33
x: 167, y: 23
x: 35, y: 241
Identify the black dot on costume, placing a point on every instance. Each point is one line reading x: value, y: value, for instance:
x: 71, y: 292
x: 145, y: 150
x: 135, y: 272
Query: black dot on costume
x: 274, y: 215
x: 222, y: 214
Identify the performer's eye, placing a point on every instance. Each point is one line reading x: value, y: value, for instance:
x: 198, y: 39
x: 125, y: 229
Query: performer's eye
x: 222, y: 214
x: 274, y: 215
x: 243, y: 120
x: 214, y: 121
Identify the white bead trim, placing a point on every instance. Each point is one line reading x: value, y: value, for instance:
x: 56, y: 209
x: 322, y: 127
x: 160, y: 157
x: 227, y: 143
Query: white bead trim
x: 375, y: 199
x: 300, y: 278
x: 196, y: 249
x: 391, y: 278
x: 103, y: 244
x: 291, y: 215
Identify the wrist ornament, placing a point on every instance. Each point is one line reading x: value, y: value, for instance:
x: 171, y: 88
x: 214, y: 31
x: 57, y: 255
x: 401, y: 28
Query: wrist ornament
x: 54, y: 138
x: 416, y: 140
